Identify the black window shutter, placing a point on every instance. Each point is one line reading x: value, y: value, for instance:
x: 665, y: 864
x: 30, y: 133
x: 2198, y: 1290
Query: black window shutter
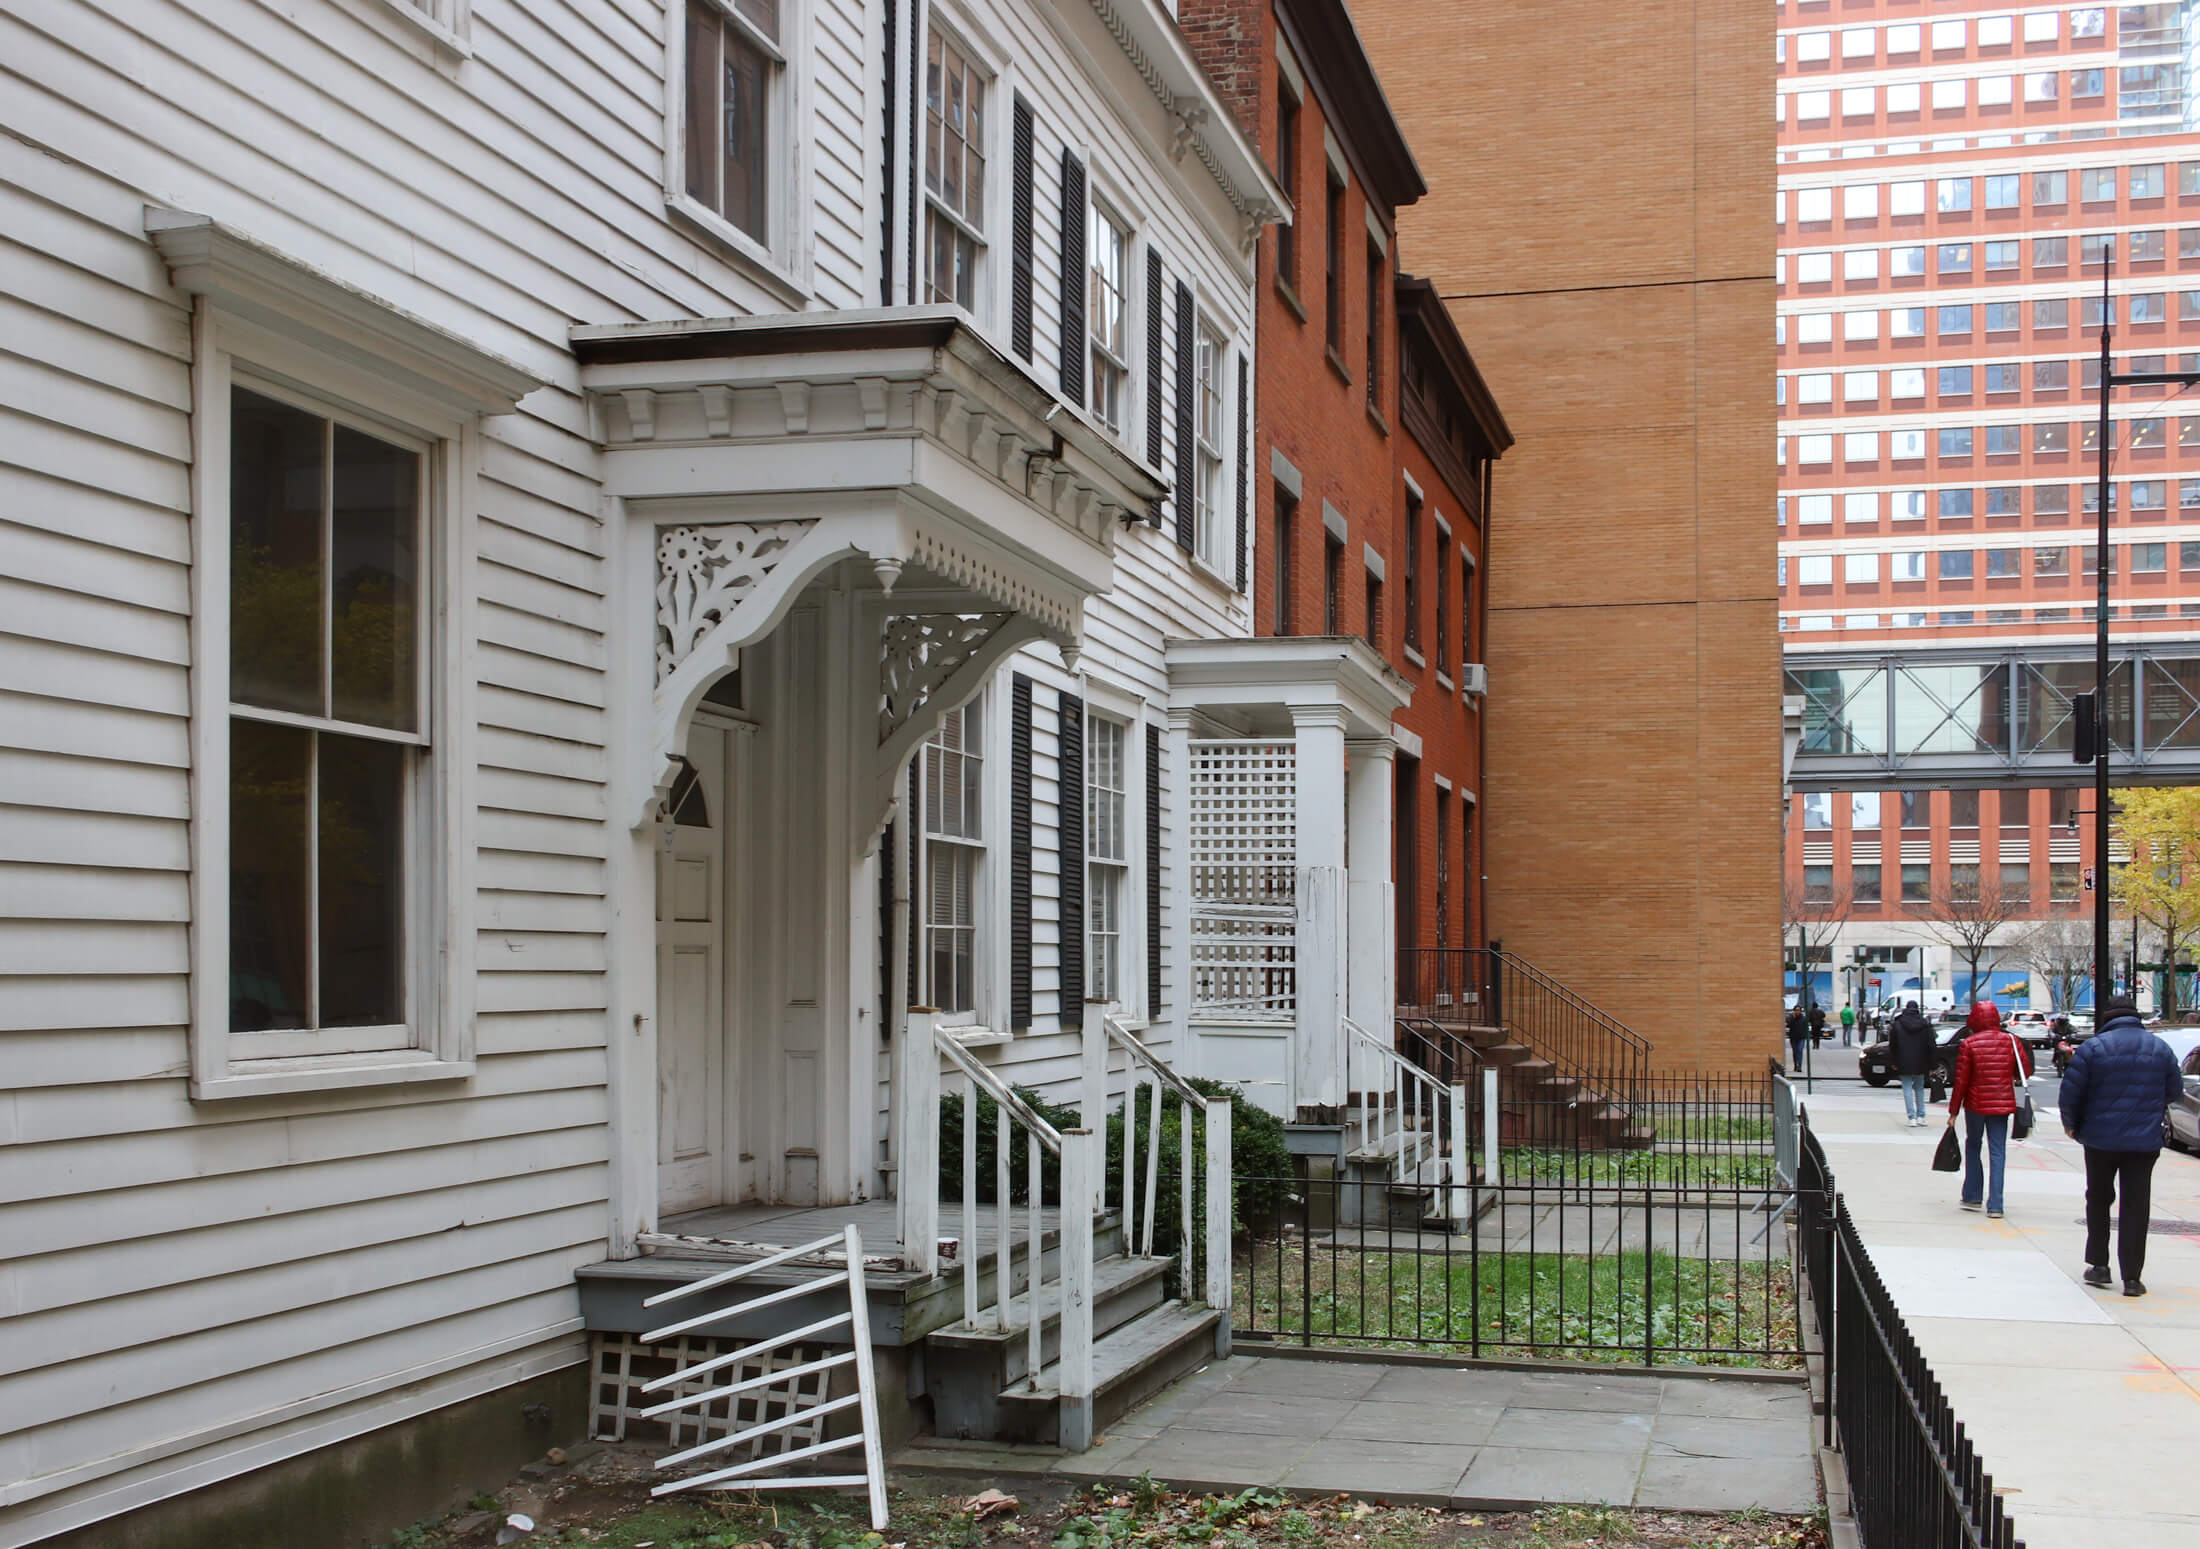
x: 1073, y: 279
x: 1184, y: 390
x: 887, y: 843
x: 1072, y: 732
x: 886, y: 152
x: 916, y: 890
x: 1244, y: 463
x: 1154, y: 293
x: 1153, y: 871
x: 1019, y: 860
x: 1020, y: 207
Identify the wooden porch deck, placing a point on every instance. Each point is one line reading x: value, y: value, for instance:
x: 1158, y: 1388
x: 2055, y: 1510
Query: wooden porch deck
x: 733, y: 1232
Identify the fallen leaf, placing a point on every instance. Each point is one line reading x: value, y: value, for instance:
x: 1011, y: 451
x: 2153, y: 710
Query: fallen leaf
x: 989, y: 1503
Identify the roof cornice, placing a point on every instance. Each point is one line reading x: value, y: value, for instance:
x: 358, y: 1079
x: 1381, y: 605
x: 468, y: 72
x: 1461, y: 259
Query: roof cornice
x: 1354, y: 94
x: 1423, y: 310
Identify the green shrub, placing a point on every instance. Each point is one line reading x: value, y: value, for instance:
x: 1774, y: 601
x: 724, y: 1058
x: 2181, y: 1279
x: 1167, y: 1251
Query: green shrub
x: 1019, y: 1143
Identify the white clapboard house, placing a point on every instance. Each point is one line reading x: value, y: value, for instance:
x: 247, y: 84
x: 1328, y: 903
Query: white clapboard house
x: 563, y: 565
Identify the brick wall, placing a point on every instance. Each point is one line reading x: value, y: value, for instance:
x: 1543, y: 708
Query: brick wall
x: 1605, y: 240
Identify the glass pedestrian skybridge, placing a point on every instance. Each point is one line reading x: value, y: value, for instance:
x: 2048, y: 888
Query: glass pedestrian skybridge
x: 1973, y: 718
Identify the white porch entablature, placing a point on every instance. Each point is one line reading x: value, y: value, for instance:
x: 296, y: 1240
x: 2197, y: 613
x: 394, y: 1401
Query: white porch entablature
x: 761, y: 453
x: 1256, y: 683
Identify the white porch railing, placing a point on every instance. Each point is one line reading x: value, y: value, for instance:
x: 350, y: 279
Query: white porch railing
x: 1203, y: 1192
x: 1410, y: 1117
x: 1000, y: 1307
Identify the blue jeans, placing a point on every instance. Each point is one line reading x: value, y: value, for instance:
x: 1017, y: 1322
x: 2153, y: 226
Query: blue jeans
x: 1995, y: 1128
x: 1913, y: 1095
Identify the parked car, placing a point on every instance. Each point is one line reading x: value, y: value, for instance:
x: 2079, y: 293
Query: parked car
x: 2181, y: 1120
x: 1876, y: 1064
x: 2034, y: 1028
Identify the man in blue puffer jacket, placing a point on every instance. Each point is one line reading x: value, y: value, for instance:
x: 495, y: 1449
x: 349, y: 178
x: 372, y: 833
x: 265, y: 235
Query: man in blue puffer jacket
x: 2113, y: 1095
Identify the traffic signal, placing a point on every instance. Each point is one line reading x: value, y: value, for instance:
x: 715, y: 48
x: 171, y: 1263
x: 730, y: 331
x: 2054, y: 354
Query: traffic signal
x: 2083, y: 745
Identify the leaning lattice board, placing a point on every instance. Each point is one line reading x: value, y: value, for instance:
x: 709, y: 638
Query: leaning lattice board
x: 760, y: 1401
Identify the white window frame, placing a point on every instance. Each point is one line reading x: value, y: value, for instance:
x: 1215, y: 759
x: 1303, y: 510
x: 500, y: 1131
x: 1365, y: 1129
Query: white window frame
x: 988, y: 750
x: 1212, y: 532
x: 1102, y: 210
x: 262, y: 322
x: 1107, y: 964
x: 780, y: 261
x: 973, y: 225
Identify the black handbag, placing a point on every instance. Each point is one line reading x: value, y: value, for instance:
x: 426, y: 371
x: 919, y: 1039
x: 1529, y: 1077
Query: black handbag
x: 1948, y: 1155
x: 2020, y: 1123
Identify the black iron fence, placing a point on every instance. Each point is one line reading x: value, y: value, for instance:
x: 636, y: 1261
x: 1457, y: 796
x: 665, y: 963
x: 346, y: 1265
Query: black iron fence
x: 1555, y: 1270
x: 1915, y: 1481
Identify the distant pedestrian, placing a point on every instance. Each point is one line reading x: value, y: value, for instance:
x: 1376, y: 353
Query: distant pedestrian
x: 1817, y: 1023
x: 1798, y: 1031
x: 1989, y: 1063
x: 1848, y: 1024
x: 2113, y: 1094
x: 1911, y: 1045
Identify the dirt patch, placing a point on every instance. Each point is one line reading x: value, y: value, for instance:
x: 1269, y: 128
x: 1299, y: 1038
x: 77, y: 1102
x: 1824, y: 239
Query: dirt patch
x: 601, y: 1498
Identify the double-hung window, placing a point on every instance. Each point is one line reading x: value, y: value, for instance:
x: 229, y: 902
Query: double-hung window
x: 733, y: 69
x: 1107, y: 299
x: 953, y: 778
x: 328, y: 731
x: 954, y: 173
x: 1107, y: 855
x: 1209, y: 361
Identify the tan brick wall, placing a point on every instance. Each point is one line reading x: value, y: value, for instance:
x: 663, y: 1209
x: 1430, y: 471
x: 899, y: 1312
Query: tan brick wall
x: 1600, y: 218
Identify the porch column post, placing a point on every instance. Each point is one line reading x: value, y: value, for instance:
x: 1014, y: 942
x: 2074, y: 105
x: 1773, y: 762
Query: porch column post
x: 1176, y: 891
x: 1371, y: 916
x: 1318, y: 1055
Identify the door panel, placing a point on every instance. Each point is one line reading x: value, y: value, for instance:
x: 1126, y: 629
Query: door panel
x: 691, y: 1023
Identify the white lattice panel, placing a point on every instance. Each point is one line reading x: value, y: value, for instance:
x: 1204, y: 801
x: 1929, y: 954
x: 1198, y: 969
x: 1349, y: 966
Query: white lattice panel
x: 1241, y: 840
x: 623, y: 1363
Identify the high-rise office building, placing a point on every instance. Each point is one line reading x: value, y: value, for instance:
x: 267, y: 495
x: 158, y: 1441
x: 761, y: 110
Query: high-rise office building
x: 1953, y: 186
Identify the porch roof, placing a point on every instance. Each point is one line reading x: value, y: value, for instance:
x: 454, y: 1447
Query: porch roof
x: 1262, y: 679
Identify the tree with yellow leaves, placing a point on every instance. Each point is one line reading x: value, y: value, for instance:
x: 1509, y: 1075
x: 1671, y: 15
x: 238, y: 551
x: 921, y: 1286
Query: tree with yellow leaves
x: 2160, y: 885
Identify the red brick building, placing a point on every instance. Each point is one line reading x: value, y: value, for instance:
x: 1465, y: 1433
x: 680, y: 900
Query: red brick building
x: 1375, y: 430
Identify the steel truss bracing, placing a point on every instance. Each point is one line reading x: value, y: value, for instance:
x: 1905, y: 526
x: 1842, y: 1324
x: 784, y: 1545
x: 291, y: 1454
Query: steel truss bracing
x: 1880, y: 720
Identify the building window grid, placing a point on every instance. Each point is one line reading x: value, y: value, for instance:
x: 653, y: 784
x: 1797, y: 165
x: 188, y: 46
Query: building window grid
x: 733, y: 63
x: 1107, y: 305
x: 1107, y: 854
x: 953, y: 780
x: 1210, y: 358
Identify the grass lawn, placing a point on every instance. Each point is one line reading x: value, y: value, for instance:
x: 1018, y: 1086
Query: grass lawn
x: 1672, y: 1169
x: 604, y: 1502
x: 1548, y: 1305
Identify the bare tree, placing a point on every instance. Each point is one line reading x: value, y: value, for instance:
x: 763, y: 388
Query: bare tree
x: 2060, y: 952
x: 1965, y: 919
x: 1811, y: 921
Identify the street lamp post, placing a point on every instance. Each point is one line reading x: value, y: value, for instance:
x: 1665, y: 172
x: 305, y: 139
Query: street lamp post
x: 2103, y: 982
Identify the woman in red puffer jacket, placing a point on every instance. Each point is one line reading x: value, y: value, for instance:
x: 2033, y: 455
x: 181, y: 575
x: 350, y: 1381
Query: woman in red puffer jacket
x: 1989, y: 1063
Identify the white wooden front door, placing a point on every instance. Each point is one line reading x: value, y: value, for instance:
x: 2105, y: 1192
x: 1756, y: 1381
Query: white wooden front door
x: 691, y: 949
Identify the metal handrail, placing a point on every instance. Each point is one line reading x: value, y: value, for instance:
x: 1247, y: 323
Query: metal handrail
x: 1001, y: 1093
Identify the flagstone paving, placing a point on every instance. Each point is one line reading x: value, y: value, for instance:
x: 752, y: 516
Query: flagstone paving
x: 1474, y: 1438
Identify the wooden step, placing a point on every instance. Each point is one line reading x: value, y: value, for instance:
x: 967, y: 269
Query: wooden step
x: 1123, y: 1289
x: 1132, y: 1364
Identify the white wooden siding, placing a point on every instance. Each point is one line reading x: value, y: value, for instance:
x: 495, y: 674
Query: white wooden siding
x: 191, y: 1289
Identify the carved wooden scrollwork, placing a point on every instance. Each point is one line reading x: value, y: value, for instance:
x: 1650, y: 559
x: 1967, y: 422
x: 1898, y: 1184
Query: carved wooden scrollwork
x: 704, y: 573
x: 919, y: 653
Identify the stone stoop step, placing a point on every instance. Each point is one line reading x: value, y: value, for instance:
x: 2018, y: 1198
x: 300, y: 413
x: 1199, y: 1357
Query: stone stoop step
x: 1130, y: 1365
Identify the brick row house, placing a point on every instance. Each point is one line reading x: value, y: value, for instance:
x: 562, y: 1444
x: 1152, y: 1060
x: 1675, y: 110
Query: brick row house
x: 1373, y: 453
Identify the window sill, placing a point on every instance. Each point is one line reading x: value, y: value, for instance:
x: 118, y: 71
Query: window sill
x: 977, y: 1035
x: 426, y: 25
x: 329, y: 1072
x: 1381, y: 423
x: 1443, y: 681
x: 738, y: 247
x: 1416, y: 657
x: 1336, y: 364
x: 1290, y: 298
x: 1207, y: 572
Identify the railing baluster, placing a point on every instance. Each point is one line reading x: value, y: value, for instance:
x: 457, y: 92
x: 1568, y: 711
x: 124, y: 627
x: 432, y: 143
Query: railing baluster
x: 1153, y: 1157
x: 969, y: 1244
x: 1004, y: 1225
x: 1035, y: 1255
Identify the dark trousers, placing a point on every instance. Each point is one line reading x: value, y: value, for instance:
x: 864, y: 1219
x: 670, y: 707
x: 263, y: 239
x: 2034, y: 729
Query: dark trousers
x: 2124, y: 1179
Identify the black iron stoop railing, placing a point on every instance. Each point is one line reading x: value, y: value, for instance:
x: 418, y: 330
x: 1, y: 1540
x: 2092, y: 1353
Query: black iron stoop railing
x: 1548, y: 1032
x: 1915, y: 1481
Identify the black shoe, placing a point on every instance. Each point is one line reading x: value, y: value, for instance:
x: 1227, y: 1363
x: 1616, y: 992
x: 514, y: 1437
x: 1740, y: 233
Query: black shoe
x: 2097, y: 1274
x: 2134, y: 1288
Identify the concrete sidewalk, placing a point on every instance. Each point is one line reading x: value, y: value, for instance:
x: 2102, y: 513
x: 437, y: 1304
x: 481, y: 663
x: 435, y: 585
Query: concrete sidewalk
x: 2084, y: 1405
x: 1476, y: 1438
